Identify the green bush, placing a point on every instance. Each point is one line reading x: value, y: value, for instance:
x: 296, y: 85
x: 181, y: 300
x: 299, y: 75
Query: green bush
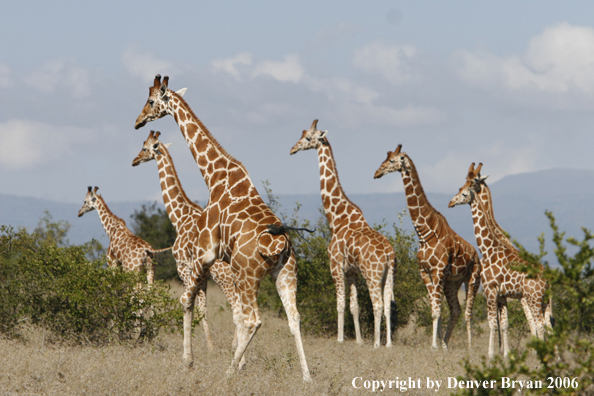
x: 75, y: 299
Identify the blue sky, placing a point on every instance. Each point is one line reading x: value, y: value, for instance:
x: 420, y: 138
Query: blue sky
x: 509, y: 84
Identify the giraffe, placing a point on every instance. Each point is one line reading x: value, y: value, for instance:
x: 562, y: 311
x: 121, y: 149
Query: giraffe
x: 445, y: 259
x: 184, y: 215
x: 355, y: 246
x: 500, y: 280
x: 236, y: 226
x: 125, y: 248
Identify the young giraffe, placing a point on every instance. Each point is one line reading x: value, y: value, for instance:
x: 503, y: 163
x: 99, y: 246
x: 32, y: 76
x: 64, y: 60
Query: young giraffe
x: 500, y: 281
x: 184, y: 215
x: 125, y: 248
x: 236, y: 226
x: 484, y: 195
x: 446, y: 260
x: 355, y: 246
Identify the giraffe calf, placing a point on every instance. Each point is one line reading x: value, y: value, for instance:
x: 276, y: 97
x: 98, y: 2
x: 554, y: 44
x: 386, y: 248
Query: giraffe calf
x: 125, y: 249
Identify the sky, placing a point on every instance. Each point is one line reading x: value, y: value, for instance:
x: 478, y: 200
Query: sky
x: 506, y: 83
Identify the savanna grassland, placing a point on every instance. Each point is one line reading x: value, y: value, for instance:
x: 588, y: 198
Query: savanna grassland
x: 38, y: 367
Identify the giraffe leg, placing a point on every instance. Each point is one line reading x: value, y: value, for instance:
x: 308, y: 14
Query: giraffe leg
x: 492, y: 318
x: 248, y: 322
x: 201, y: 300
x: 535, y: 303
x: 223, y: 275
x: 286, y: 285
x: 354, y: 306
x: 434, y: 290
x: 504, y: 324
x: 471, y: 290
x: 451, y: 293
x: 375, y: 293
x: 529, y: 317
x: 388, y: 291
x: 187, y: 301
x: 338, y: 277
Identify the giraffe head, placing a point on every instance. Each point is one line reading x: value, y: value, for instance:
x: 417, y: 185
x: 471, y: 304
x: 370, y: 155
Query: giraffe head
x: 151, y: 148
x: 90, y: 202
x: 158, y: 103
x: 310, y: 139
x: 473, y: 185
x: 397, y: 161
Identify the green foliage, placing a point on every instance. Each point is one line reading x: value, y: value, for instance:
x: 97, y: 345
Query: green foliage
x: 568, y: 351
x: 75, y: 299
x: 152, y: 224
x: 49, y: 232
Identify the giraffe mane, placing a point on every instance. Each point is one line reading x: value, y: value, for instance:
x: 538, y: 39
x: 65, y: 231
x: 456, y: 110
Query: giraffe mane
x: 338, y: 178
x: 207, y: 132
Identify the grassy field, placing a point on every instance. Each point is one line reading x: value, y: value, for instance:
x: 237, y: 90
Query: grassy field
x: 36, y: 367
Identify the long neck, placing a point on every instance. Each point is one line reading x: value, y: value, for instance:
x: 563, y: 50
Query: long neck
x: 484, y: 195
x: 111, y: 223
x: 425, y: 218
x: 338, y: 208
x: 222, y: 173
x: 177, y: 203
x: 484, y: 232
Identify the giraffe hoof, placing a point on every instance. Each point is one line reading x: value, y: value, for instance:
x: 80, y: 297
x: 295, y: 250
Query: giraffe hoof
x: 307, y: 377
x: 230, y: 371
x: 360, y: 342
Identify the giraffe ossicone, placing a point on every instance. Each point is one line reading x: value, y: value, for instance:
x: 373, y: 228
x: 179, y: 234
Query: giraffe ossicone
x: 446, y: 260
x: 355, y: 247
x: 231, y: 224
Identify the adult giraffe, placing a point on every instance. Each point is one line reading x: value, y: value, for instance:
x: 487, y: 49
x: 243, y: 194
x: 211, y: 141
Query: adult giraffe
x: 500, y: 280
x: 355, y: 246
x: 184, y: 215
x: 236, y: 226
x: 446, y: 260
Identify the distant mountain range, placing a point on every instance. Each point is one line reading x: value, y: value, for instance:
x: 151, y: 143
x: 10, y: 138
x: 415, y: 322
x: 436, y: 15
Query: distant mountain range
x: 519, y: 203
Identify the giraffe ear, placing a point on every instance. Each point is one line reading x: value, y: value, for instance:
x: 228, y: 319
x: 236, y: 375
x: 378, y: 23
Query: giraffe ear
x: 181, y: 92
x: 163, y: 88
x: 167, y: 145
x: 323, y: 134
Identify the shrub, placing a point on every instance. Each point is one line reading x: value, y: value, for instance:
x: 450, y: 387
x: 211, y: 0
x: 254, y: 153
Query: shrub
x: 77, y: 300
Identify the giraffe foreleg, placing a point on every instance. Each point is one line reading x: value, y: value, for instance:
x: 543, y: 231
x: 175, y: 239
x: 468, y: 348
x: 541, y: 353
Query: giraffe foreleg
x: 223, y: 275
x: 247, y: 324
x: 471, y: 289
x: 338, y: 278
x: 187, y: 301
x: 504, y: 324
x: 434, y: 291
x: 201, y: 300
x: 492, y: 309
x: 388, y: 295
x: 528, y: 314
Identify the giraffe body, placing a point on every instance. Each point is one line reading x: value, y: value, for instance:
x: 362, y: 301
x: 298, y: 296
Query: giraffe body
x: 446, y: 260
x: 125, y: 249
x: 355, y: 247
x: 500, y: 280
x: 233, y: 226
x: 184, y: 215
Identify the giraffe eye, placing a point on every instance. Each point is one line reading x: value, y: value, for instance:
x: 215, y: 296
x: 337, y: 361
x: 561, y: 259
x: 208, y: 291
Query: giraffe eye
x: 144, y: 150
x: 151, y: 102
x: 308, y: 139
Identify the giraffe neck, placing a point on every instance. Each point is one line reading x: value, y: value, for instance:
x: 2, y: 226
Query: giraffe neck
x: 111, y: 223
x: 484, y: 232
x: 174, y: 196
x: 338, y: 208
x: 425, y: 218
x: 222, y: 173
x: 484, y: 196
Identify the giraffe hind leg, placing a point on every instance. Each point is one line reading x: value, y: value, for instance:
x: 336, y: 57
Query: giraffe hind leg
x: 451, y: 293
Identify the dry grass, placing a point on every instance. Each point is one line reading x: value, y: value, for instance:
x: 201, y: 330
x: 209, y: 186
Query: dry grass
x: 38, y: 368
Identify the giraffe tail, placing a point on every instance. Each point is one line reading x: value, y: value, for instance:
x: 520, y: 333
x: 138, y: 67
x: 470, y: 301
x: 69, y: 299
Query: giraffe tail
x: 153, y: 252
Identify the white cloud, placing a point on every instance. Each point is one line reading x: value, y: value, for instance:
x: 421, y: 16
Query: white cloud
x: 229, y: 65
x: 559, y: 60
x: 145, y: 66
x: 58, y: 74
x: 392, y: 62
x: 29, y: 143
x: 288, y: 70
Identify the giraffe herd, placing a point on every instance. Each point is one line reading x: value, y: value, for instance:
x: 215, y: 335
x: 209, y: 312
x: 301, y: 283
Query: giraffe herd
x: 238, y: 240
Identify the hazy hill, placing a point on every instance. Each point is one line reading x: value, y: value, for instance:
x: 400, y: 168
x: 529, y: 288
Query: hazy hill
x: 519, y: 204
